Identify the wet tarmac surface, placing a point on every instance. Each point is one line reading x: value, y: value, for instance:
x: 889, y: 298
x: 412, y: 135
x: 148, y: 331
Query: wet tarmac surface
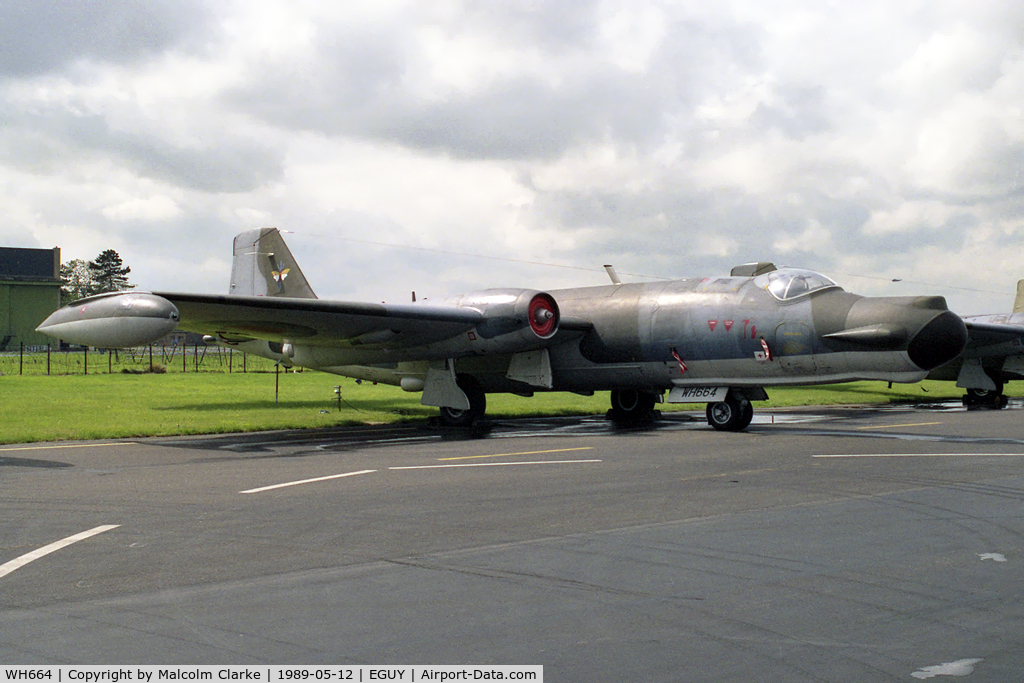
x: 838, y: 544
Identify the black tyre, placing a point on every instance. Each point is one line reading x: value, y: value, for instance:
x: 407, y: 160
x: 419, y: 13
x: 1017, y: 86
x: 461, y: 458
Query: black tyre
x: 632, y: 406
x: 454, y: 417
x: 986, y: 398
x: 731, y: 415
x: 747, y: 415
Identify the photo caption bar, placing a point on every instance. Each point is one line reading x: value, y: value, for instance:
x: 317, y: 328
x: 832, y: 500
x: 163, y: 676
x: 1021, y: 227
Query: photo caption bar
x: 409, y: 673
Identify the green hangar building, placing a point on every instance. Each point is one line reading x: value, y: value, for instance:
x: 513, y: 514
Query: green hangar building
x: 29, y: 292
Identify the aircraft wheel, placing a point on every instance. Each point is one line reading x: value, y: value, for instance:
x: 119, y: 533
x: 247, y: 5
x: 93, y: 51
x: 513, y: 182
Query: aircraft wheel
x: 747, y: 415
x: 631, y: 406
x: 454, y: 417
x: 986, y: 397
x: 731, y: 415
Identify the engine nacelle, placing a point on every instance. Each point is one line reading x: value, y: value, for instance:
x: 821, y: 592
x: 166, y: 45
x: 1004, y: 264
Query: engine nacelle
x: 514, y: 320
x: 113, y: 321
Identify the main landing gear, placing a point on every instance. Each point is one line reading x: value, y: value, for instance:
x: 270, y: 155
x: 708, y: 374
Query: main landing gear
x: 731, y: 415
x: 632, y: 407
x: 986, y: 398
x: 461, y: 419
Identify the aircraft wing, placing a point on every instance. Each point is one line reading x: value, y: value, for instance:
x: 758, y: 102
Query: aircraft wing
x: 981, y: 334
x: 487, y: 322
x: 316, y: 322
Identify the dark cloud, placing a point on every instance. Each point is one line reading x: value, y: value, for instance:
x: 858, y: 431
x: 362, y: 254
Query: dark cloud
x: 42, y: 36
x: 662, y: 232
x: 228, y: 166
x: 48, y: 140
x: 363, y: 87
x: 666, y: 230
x: 522, y: 119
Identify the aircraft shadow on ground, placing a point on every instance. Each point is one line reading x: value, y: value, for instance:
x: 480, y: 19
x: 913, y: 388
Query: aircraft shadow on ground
x: 30, y: 462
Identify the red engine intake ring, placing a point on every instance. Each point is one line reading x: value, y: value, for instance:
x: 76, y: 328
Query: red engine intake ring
x: 543, y: 316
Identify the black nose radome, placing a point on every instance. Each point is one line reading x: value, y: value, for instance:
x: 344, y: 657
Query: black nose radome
x: 938, y: 342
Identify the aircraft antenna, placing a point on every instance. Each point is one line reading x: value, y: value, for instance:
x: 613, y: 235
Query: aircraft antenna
x: 484, y: 256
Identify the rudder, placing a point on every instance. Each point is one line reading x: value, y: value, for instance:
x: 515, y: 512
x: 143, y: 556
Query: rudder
x: 264, y: 266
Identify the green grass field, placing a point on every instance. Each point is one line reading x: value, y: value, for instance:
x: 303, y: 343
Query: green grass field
x: 99, y: 406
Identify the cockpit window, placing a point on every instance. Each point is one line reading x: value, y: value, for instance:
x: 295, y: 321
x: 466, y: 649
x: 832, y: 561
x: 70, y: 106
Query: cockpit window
x: 789, y: 283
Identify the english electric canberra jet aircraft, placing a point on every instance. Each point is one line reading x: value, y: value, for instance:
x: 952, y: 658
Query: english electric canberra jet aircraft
x: 717, y: 340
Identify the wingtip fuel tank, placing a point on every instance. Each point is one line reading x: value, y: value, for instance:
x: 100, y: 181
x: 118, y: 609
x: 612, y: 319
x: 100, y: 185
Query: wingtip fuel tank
x: 114, y: 320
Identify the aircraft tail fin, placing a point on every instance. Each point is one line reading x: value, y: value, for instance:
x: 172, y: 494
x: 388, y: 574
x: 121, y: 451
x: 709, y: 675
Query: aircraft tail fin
x: 264, y: 266
x: 1018, y: 303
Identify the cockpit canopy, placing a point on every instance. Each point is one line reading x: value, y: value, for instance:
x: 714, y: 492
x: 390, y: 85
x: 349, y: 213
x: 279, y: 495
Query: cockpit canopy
x: 786, y: 284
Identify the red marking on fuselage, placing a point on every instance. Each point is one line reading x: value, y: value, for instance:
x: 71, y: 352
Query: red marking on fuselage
x: 712, y: 324
x: 682, y: 365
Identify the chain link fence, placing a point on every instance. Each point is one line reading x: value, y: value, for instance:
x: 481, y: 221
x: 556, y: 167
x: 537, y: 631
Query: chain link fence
x: 49, y: 360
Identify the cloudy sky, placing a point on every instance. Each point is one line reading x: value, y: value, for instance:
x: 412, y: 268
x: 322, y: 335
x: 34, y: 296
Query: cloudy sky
x: 871, y: 140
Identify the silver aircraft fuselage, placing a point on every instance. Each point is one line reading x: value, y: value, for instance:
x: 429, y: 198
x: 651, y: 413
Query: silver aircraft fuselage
x: 725, y: 331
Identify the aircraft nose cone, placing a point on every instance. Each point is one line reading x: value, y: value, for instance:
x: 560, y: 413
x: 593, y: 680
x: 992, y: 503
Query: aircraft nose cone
x: 938, y: 342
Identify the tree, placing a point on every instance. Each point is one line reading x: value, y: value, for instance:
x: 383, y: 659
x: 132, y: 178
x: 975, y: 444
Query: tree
x: 75, y: 281
x: 80, y: 278
x: 107, y: 273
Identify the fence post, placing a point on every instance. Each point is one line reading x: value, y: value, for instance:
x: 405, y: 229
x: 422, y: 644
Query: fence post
x: 21, y: 359
x: 85, y: 358
x: 47, y: 360
x: 110, y: 362
x: 150, y: 358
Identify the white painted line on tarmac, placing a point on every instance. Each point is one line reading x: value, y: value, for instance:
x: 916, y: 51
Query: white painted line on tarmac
x: 73, y: 445
x: 509, y: 455
x: 19, y: 562
x: 919, y: 455
x: 491, y: 464
x: 306, y: 481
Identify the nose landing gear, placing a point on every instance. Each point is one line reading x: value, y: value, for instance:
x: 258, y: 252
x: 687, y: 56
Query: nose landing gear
x: 731, y: 415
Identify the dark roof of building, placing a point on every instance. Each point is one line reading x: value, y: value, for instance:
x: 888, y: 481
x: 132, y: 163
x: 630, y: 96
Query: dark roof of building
x: 29, y: 264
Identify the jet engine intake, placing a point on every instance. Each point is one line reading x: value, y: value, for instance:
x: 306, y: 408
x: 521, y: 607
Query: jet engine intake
x: 543, y: 315
x: 938, y: 342
x: 514, y: 320
x: 922, y: 326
